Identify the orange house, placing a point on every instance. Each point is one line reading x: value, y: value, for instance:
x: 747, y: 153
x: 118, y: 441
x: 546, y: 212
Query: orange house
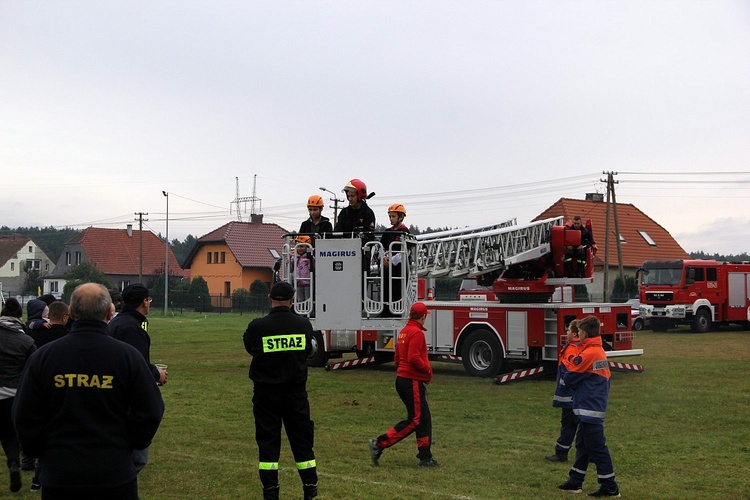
x: 235, y: 255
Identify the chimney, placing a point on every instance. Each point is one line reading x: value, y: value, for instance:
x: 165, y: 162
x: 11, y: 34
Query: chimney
x: 594, y: 197
x: 257, y: 218
x: 130, y: 230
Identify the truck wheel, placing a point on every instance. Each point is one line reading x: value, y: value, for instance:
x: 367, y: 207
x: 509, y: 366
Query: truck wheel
x: 638, y: 324
x: 701, y: 321
x: 318, y: 355
x: 482, y: 354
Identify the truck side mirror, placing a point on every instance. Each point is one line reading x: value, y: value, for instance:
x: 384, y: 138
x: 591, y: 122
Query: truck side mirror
x: 690, y: 275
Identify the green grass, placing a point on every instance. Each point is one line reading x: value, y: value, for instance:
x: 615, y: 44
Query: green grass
x: 678, y: 430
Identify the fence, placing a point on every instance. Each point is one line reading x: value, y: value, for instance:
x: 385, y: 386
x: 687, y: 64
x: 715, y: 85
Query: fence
x: 181, y: 302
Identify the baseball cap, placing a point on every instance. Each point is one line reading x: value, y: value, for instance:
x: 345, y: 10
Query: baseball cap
x: 135, y: 293
x: 282, y: 291
x: 419, y: 308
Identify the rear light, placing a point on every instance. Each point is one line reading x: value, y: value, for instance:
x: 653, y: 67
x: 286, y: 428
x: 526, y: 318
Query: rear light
x: 624, y: 337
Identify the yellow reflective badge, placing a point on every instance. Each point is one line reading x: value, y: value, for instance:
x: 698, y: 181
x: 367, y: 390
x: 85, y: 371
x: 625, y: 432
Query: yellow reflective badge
x: 279, y: 343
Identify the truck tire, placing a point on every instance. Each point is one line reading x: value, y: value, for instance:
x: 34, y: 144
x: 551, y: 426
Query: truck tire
x: 318, y: 356
x: 482, y: 354
x: 701, y: 321
x: 638, y: 324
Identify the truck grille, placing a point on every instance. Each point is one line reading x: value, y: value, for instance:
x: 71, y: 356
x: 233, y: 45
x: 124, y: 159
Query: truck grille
x: 659, y: 296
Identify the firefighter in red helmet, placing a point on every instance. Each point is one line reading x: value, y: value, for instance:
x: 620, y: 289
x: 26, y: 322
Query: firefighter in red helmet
x: 357, y: 217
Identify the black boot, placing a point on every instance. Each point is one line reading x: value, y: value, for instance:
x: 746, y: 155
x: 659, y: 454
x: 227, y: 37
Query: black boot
x: 271, y: 493
x: 557, y: 457
x: 310, y: 490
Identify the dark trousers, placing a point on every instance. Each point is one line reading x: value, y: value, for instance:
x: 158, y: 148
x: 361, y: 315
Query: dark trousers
x: 128, y: 491
x: 272, y: 407
x: 591, y: 446
x: 568, y: 427
x: 8, y: 436
x: 418, y: 419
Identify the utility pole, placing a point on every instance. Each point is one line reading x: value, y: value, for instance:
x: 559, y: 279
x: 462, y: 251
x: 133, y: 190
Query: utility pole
x: 335, y: 207
x: 140, y: 220
x: 611, y: 202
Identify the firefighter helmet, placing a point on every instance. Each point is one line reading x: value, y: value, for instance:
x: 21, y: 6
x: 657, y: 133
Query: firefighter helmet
x: 303, y: 239
x: 315, y: 201
x: 397, y: 207
x: 358, y: 187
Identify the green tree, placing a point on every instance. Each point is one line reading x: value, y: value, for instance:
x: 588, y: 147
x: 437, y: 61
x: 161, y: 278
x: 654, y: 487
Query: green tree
x: 85, y: 272
x: 259, y: 288
x: 32, y: 283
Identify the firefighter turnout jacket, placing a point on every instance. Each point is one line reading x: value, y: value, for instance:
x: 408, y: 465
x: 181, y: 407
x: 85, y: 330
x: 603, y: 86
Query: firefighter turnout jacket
x: 278, y: 343
x: 588, y: 374
x: 563, y: 397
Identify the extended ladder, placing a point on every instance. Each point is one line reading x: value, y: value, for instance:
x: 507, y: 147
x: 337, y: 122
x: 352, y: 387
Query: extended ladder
x: 475, y: 251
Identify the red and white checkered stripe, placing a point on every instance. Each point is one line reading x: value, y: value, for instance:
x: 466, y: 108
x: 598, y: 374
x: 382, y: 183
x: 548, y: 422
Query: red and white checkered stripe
x: 625, y: 367
x: 510, y: 377
x: 351, y: 363
x: 449, y: 357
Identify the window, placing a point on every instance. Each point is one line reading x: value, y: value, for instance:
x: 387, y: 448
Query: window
x: 12, y: 266
x: 216, y: 257
x: 123, y: 284
x: 33, y: 265
x: 78, y: 258
x: 208, y: 257
x: 647, y: 238
x: 46, y: 266
x: 223, y: 257
x: 699, y: 274
x: 31, y: 249
x: 622, y: 239
x: 53, y: 286
x: 67, y: 258
x: 711, y: 274
x: 227, y: 288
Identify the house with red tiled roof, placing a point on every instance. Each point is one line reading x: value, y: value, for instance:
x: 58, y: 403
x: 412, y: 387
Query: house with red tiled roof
x: 121, y: 254
x: 19, y: 255
x: 641, y: 238
x: 235, y: 255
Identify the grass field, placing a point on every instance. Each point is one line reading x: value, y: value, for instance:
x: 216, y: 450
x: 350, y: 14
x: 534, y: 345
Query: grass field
x: 681, y: 429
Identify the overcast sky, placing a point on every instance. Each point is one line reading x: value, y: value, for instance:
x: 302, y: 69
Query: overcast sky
x: 465, y: 112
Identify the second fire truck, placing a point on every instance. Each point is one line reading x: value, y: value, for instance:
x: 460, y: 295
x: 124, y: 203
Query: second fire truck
x: 700, y: 293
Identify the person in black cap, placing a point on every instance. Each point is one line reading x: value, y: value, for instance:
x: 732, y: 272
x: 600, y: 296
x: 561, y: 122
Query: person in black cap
x: 131, y: 327
x: 279, y: 344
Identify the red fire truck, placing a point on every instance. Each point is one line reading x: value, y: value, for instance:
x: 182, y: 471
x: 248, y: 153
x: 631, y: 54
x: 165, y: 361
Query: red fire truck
x: 524, y: 263
x: 701, y: 293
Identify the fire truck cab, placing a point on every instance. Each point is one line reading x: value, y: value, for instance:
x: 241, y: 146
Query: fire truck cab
x: 700, y: 293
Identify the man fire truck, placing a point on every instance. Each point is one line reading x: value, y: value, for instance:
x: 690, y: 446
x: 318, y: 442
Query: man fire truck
x: 700, y: 293
x: 525, y: 263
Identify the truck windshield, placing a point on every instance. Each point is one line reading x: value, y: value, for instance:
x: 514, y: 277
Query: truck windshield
x: 662, y: 276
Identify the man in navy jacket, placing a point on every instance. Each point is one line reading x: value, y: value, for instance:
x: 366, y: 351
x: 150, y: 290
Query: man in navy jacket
x: 84, y: 403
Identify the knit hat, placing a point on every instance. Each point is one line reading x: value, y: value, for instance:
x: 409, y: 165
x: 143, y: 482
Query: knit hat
x: 12, y: 308
x: 35, y: 309
x: 47, y: 298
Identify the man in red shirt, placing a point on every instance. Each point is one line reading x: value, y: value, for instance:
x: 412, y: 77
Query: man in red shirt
x: 413, y: 373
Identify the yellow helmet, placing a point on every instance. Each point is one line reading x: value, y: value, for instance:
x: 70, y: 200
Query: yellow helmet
x: 397, y: 207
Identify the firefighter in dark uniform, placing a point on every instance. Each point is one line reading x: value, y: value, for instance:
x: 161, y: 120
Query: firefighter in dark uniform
x: 357, y: 217
x: 578, y: 253
x: 279, y: 344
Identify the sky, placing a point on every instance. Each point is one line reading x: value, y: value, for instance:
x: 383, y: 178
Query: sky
x: 467, y: 113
